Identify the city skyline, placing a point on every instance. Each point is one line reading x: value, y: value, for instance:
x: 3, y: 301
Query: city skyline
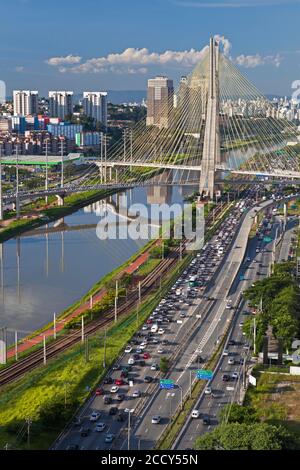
x: 131, y: 53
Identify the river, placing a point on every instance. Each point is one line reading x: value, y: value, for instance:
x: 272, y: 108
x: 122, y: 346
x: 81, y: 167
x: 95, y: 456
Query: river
x: 48, y: 269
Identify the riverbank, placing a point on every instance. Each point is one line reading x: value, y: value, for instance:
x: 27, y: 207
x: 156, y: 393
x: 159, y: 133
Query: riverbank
x: 71, y: 204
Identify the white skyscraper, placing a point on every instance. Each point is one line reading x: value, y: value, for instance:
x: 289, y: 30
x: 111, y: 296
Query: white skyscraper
x: 95, y: 105
x: 60, y: 103
x: 25, y: 102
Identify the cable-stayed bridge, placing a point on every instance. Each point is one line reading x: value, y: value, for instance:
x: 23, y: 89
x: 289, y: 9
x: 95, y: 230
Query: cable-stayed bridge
x: 219, y: 128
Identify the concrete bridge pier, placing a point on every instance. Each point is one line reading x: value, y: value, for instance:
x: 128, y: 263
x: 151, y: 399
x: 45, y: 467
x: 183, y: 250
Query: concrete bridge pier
x: 60, y: 200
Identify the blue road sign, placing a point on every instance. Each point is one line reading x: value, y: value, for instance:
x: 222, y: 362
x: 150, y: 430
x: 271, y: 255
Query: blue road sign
x: 166, y: 383
x: 204, y: 374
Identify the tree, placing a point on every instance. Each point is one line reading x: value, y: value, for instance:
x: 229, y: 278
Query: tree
x: 236, y: 436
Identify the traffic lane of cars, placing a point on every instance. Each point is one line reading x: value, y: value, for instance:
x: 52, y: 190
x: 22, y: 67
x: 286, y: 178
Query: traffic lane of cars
x: 112, y: 426
x: 211, y: 403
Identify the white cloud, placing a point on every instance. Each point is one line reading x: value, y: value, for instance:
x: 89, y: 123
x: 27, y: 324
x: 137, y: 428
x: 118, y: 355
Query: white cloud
x: 68, y: 60
x: 136, y: 61
x: 252, y: 61
x: 131, y: 61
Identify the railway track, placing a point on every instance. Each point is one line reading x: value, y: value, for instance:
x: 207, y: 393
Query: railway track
x: 36, y: 358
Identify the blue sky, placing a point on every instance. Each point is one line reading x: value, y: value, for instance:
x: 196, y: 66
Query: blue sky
x: 118, y: 44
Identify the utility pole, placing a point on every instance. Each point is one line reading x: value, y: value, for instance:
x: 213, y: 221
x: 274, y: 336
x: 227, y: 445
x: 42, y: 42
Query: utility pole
x: 101, y: 157
x: 17, y: 181
x: 46, y: 175
x: 82, y: 329
x: 104, y: 355
x: 128, y: 436
x: 1, y: 204
x: 62, y: 161
x: 16, y: 345
x: 54, y: 325
x: 254, y: 335
x: 29, y: 422
x: 116, y: 309
x: 45, y: 353
x: 140, y: 292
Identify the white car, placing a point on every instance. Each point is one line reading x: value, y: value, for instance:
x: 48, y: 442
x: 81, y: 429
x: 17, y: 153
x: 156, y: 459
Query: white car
x: 95, y: 416
x: 131, y: 361
x: 136, y: 394
x: 195, y: 414
x: 114, y: 389
x: 156, y: 419
x: 161, y: 331
x: 100, y: 427
x: 207, y: 391
x: 128, y: 349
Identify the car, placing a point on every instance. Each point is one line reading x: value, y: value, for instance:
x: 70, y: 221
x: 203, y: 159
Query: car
x: 131, y: 361
x: 95, y: 416
x: 100, y: 427
x: 225, y: 378
x: 121, y: 416
x: 113, y: 411
x: 84, y: 432
x: 73, y: 447
x: 119, y: 381
x: 128, y: 349
x: 195, y: 414
x: 231, y: 361
x: 109, y: 438
x: 146, y: 355
x: 120, y: 396
x: 136, y: 394
x: 108, y: 380
x: 114, y: 389
x: 107, y: 399
x: 206, y: 421
x: 156, y: 419
x: 208, y: 391
x: 225, y: 352
x: 154, y: 366
x: 148, y: 379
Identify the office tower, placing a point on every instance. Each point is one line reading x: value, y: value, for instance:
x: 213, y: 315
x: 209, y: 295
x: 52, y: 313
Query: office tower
x: 60, y: 103
x: 25, y: 102
x: 95, y: 105
x: 159, y: 101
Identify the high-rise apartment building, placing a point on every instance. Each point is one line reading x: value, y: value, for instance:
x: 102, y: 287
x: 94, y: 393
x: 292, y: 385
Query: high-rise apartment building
x: 60, y: 103
x: 95, y: 105
x: 25, y: 102
x: 159, y: 101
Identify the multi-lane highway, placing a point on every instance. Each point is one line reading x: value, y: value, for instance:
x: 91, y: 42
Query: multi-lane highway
x: 227, y: 384
x: 191, y: 329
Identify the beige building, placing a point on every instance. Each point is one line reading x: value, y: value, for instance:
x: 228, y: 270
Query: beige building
x: 159, y: 101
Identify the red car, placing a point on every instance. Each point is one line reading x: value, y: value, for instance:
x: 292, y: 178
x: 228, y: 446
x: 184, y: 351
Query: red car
x: 99, y: 391
x: 146, y: 355
x: 119, y: 382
